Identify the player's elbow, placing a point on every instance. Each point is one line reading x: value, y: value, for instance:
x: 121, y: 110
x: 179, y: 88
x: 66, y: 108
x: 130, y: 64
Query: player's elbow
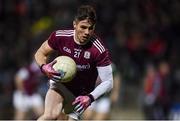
x: 110, y: 85
x: 36, y: 55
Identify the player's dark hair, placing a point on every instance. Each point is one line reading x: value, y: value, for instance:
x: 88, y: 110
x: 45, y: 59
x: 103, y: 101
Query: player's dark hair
x: 86, y: 12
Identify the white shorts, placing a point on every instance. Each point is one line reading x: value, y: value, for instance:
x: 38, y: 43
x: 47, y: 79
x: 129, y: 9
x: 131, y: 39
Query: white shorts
x: 101, y: 105
x: 24, y: 102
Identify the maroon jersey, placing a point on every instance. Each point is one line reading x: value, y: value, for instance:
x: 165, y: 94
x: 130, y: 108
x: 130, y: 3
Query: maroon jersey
x: 30, y: 75
x: 87, y: 57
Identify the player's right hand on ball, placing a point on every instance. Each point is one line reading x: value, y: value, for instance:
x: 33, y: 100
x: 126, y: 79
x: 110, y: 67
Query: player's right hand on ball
x: 48, y: 70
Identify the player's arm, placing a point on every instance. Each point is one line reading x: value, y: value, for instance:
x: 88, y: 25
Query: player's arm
x: 41, y: 57
x: 105, y: 74
x: 42, y: 53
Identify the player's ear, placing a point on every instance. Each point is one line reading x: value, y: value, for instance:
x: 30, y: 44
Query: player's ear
x: 74, y: 24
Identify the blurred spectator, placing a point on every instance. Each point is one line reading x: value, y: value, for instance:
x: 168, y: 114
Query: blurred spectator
x: 175, y: 93
x: 156, y: 89
x: 26, y: 96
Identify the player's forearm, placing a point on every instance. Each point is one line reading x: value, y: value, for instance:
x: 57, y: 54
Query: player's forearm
x: 42, y: 53
x: 102, y: 89
x: 105, y: 74
x: 40, y: 58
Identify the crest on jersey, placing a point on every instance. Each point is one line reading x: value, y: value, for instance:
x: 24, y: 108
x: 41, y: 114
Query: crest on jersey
x: 87, y: 54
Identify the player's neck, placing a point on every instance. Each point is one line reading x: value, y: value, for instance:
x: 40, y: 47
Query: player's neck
x: 76, y: 40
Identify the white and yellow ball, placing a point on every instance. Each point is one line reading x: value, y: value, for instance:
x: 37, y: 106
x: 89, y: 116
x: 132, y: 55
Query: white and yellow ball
x: 67, y: 66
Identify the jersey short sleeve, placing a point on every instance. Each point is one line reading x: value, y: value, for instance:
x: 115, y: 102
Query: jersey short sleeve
x: 101, y: 53
x: 52, y: 41
x: 103, y: 59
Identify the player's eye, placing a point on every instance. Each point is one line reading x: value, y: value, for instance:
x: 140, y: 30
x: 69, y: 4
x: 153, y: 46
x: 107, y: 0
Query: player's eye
x: 84, y: 27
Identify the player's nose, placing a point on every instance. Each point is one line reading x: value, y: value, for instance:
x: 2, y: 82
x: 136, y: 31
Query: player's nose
x: 87, y: 32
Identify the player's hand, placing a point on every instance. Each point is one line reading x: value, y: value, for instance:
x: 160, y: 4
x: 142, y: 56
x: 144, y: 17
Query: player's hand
x: 81, y: 103
x: 58, y: 77
x: 48, y: 70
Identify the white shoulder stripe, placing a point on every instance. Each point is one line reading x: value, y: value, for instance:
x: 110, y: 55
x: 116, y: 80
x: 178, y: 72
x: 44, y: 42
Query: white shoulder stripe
x: 65, y: 33
x: 98, y: 45
x: 101, y: 46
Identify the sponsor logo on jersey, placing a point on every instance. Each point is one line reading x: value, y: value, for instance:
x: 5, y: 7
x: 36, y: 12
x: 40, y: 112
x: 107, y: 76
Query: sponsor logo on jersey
x: 83, y: 67
x: 87, y: 54
x: 66, y: 49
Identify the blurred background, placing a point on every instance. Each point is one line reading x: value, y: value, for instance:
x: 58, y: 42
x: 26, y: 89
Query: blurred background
x: 142, y: 36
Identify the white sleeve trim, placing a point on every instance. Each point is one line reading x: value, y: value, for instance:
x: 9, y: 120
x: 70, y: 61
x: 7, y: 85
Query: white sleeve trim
x: 105, y: 74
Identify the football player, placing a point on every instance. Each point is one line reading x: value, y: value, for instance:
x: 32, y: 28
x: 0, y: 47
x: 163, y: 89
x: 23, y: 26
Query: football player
x: 92, y: 59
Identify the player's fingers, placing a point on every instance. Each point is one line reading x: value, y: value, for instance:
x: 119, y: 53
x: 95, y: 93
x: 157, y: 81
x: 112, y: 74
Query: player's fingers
x: 76, y: 101
x: 55, y: 80
x: 80, y: 112
x: 54, y: 73
x: 56, y: 77
x: 80, y: 109
x: 78, y: 106
x: 53, y: 62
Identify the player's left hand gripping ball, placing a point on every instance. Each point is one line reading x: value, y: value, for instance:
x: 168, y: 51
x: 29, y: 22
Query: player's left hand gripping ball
x: 82, y: 102
x: 60, y: 75
x: 49, y: 71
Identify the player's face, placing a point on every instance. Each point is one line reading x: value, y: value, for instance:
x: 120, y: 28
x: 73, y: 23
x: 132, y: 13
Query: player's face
x: 83, y: 30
